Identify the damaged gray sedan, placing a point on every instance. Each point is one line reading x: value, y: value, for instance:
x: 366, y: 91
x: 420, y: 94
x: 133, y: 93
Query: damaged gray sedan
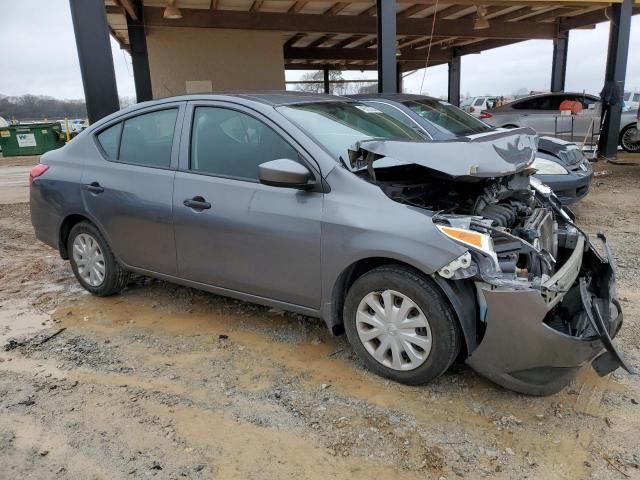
x: 422, y: 252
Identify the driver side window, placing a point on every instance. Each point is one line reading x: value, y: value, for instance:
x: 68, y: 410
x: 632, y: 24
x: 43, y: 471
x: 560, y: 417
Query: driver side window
x: 230, y: 143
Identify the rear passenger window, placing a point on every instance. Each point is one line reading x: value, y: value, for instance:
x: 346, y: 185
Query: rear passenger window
x: 110, y: 140
x: 147, y: 139
x: 229, y: 143
x: 548, y: 102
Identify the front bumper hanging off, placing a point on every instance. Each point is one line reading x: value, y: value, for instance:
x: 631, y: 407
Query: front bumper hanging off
x: 522, y: 352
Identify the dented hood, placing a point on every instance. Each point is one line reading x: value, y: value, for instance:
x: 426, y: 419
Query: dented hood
x: 493, y: 154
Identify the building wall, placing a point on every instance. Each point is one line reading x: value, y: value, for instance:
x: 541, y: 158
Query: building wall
x: 229, y: 59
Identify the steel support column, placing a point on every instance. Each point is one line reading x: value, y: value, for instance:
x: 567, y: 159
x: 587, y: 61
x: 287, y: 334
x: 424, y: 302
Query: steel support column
x: 96, y: 62
x: 615, y: 73
x: 387, y: 64
x: 559, y: 61
x: 139, y: 55
x: 454, y: 81
x: 327, y: 88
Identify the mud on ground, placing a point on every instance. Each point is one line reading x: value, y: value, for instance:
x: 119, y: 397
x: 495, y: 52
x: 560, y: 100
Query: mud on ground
x: 169, y: 382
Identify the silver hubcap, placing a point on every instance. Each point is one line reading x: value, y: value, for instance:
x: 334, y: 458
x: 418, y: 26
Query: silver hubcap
x: 631, y: 139
x: 394, y: 330
x: 89, y: 259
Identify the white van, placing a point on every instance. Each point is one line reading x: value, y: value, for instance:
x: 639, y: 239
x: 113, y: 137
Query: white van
x: 478, y: 104
x: 631, y: 101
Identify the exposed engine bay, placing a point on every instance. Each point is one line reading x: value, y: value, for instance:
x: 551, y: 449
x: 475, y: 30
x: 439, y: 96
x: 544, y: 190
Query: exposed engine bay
x: 527, y: 239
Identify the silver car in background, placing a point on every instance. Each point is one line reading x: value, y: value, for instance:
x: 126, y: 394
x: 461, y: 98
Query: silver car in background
x: 542, y: 113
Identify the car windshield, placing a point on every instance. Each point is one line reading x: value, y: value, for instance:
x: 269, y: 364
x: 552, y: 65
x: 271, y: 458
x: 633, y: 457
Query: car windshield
x: 447, y: 117
x: 336, y: 126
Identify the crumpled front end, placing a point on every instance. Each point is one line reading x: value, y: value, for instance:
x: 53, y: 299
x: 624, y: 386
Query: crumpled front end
x: 545, y: 299
x: 546, y: 296
x: 536, y: 339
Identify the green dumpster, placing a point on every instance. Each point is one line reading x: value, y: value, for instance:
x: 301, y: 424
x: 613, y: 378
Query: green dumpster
x: 31, y: 139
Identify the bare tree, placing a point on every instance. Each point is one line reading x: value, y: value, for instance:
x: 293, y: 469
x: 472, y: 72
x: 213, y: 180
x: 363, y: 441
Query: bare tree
x: 337, y: 84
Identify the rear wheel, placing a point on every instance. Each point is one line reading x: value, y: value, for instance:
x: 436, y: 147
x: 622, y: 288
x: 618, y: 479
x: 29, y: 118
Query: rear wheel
x: 630, y: 139
x: 401, y: 325
x: 92, y: 261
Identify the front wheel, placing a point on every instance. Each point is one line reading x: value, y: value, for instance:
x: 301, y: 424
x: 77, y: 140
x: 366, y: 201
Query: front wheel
x: 630, y: 139
x: 92, y: 261
x: 400, y: 325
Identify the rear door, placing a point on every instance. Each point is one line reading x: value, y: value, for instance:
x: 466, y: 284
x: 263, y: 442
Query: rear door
x: 129, y: 190
x: 540, y: 113
x: 250, y: 238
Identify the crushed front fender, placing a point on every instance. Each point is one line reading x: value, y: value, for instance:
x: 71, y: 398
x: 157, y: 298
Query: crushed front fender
x: 524, y: 351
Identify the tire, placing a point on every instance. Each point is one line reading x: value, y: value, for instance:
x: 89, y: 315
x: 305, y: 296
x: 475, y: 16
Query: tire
x: 626, y: 137
x: 113, y: 277
x: 431, y: 305
x: 510, y: 126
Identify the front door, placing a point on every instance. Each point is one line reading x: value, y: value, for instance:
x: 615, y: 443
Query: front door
x: 128, y: 188
x: 233, y: 232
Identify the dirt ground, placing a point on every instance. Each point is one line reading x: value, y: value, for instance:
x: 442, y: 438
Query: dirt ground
x: 14, y: 172
x: 168, y: 382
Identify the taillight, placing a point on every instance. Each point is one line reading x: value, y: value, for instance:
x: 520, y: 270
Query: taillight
x: 485, y: 115
x: 36, y: 171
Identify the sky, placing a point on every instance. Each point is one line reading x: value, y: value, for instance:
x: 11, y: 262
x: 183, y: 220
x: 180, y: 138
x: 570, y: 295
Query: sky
x: 39, y: 57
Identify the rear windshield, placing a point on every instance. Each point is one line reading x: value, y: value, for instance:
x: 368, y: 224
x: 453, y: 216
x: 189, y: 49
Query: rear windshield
x: 336, y: 126
x: 447, y: 117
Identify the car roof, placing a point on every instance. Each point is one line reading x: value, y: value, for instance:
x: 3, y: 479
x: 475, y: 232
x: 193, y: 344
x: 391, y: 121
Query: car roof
x: 274, y: 98
x: 268, y: 98
x: 396, y: 97
x: 536, y: 95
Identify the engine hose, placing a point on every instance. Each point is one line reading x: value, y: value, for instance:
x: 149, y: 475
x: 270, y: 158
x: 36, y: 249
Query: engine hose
x: 511, y: 215
x: 496, y: 215
x: 496, y: 219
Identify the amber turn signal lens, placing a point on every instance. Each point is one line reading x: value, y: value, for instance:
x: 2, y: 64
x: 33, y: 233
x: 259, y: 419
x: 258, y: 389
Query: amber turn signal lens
x: 471, y: 238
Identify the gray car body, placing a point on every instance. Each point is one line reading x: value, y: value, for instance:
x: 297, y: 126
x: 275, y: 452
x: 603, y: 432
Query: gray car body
x: 544, y: 121
x: 287, y: 248
x: 138, y: 213
x: 569, y: 188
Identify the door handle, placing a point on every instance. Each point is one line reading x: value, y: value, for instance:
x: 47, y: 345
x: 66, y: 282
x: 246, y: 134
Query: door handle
x: 93, y: 187
x: 197, y: 203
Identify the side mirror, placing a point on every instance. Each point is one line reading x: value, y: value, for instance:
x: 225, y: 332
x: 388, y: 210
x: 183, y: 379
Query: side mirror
x: 287, y: 173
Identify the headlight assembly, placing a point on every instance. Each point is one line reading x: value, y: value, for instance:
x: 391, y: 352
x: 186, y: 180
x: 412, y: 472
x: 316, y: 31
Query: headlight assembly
x: 475, y: 241
x: 469, y: 238
x: 548, y: 167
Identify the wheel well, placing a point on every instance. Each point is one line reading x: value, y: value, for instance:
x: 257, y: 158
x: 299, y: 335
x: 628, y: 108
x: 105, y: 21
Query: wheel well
x: 348, y: 276
x: 460, y: 296
x: 510, y: 125
x: 624, y: 129
x: 65, y: 229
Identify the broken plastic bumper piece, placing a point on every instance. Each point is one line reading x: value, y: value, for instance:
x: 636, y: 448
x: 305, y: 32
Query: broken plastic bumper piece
x: 536, y: 341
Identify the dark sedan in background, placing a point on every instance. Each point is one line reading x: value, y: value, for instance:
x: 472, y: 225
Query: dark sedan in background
x: 560, y: 164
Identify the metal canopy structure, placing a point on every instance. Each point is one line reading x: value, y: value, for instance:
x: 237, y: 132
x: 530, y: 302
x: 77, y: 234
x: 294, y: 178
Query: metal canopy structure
x: 343, y: 35
x: 390, y: 36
